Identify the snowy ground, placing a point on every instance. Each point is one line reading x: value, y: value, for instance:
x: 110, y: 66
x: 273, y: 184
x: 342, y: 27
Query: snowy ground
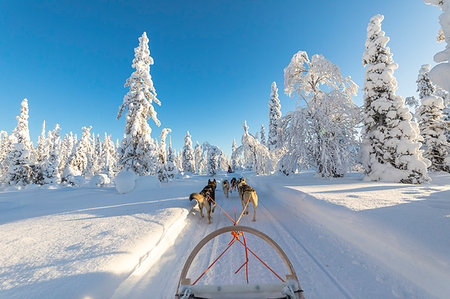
x: 345, y: 237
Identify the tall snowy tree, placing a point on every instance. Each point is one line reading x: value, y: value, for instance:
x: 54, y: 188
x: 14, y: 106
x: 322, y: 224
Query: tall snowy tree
x: 327, y: 128
x: 137, y: 151
x: 391, y: 142
x: 431, y: 124
x: 188, y: 155
x: 19, y: 156
x: 274, y: 115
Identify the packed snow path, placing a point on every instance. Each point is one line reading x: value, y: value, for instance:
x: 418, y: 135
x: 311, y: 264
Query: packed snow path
x: 333, y: 252
x: 346, y: 238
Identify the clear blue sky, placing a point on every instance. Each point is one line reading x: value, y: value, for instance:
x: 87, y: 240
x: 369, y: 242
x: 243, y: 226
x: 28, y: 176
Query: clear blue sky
x: 214, y: 60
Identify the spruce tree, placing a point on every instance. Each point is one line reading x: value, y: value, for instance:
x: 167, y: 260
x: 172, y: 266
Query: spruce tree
x: 274, y: 115
x: 19, y: 156
x: 163, y: 169
x: 188, y: 154
x: 137, y: 151
x: 431, y: 124
x: 263, y: 136
x: 78, y: 161
x: 391, y: 142
x: 198, y: 152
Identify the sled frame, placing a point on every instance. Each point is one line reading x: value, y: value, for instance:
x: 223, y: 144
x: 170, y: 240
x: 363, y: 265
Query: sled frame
x: 184, y: 282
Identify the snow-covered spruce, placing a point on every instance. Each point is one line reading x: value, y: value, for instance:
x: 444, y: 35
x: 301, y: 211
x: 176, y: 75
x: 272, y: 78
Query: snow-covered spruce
x: 172, y: 170
x: 137, y: 151
x: 78, y: 162
x: 198, y: 152
x: 19, y: 157
x: 322, y: 134
x: 263, y: 136
x: 431, y: 124
x: 163, y: 170
x: 213, y: 156
x: 391, y: 141
x: 188, y: 155
x: 440, y: 74
x: 50, y: 166
x: 274, y: 115
x: 256, y: 154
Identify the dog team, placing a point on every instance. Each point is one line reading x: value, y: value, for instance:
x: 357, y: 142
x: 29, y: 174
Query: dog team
x: 207, y: 197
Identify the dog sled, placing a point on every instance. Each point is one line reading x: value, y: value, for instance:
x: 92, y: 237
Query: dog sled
x: 287, y: 287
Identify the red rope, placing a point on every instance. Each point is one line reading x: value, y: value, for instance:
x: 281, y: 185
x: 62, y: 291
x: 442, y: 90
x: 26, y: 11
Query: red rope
x: 260, y: 260
x: 209, y: 267
x: 235, y: 223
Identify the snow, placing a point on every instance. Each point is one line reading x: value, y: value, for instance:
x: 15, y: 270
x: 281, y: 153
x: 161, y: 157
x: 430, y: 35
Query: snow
x: 125, y: 181
x: 346, y: 238
x: 440, y: 75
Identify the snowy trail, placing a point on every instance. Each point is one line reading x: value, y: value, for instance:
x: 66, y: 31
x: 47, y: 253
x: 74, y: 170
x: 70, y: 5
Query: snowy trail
x: 326, y: 265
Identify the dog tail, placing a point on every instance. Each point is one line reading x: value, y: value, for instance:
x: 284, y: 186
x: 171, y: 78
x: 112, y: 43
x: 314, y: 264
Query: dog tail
x: 196, y: 196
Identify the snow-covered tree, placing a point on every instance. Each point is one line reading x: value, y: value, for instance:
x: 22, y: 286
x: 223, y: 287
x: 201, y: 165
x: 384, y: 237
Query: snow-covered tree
x: 137, y: 151
x: 213, y: 154
x: 41, y: 152
x: 198, y: 153
x: 256, y: 153
x: 440, y: 74
x: 4, y: 149
x: 263, y: 136
x: 431, y: 123
x: 235, y: 157
x: 274, y: 115
x: 67, y: 147
x: 19, y: 157
x: 391, y: 141
x: 163, y: 171
x: 188, y: 155
x: 109, y: 157
x: 78, y: 161
x: 171, y: 168
x: 50, y: 167
x: 327, y: 128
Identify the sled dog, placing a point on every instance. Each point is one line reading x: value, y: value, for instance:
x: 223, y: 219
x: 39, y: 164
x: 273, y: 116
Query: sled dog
x: 247, y: 194
x: 233, y: 184
x: 225, y: 187
x: 204, y: 198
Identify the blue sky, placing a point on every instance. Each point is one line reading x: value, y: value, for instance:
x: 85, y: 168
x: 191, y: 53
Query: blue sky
x: 214, y: 60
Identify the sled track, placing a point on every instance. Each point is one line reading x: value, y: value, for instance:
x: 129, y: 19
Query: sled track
x: 332, y: 278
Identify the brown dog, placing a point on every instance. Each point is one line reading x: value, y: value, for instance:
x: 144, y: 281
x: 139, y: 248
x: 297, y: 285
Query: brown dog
x: 247, y: 195
x: 205, y: 198
x: 225, y: 187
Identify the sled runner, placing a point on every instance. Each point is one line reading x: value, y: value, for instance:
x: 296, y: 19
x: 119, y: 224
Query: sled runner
x: 287, y: 287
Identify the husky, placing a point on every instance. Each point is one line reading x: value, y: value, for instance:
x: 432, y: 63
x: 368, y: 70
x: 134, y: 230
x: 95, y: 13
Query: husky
x: 233, y: 184
x: 225, y: 187
x: 205, y: 197
x: 247, y: 194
